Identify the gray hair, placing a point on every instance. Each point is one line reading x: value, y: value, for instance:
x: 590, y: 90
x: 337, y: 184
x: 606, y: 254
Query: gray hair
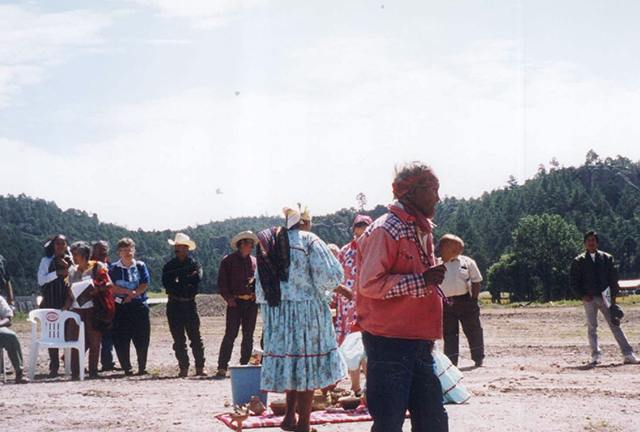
x: 82, y: 248
x: 405, y: 170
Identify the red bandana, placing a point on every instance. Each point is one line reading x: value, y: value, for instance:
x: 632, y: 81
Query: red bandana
x: 425, y: 178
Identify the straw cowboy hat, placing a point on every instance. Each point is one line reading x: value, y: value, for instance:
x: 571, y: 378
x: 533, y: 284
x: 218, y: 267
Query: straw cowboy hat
x: 183, y: 239
x: 242, y: 236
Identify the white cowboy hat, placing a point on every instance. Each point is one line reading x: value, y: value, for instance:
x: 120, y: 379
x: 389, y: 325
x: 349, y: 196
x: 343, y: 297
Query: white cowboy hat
x: 242, y: 236
x: 183, y: 239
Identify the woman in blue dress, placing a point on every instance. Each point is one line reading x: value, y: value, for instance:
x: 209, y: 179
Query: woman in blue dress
x: 296, y: 275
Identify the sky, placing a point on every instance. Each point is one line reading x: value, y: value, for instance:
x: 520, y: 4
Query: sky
x: 159, y: 114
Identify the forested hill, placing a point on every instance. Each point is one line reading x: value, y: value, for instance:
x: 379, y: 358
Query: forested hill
x: 25, y: 223
x: 512, y: 228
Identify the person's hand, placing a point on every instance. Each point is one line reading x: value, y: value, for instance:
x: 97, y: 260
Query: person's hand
x: 231, y: 302
x: 587, y: 298
x: 63, y: 272
x: 435, y: 275
x: 62, y: 263
x: 344, y: 292
x: 130, y: 296
x: 11, y: 302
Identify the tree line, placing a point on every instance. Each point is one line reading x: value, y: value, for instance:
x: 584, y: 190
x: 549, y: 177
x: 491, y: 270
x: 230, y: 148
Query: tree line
x: 523, y: 237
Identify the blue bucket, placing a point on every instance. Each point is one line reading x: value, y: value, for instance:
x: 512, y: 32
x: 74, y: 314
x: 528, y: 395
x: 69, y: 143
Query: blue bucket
x: 245, y: 382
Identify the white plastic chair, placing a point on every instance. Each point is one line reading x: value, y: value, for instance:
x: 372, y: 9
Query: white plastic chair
x: 52, y: 336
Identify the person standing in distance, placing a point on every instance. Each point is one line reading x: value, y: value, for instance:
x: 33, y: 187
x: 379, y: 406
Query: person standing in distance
x: 591, y: 273
x: 461, y: 285
x: 180, y: 278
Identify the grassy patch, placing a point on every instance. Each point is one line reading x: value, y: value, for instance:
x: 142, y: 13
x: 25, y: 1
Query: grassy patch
x: 19, y: 316
x: 161, y: 294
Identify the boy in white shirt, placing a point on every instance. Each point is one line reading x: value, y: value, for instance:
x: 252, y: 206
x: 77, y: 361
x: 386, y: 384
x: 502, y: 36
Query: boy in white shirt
x: 461, y: 285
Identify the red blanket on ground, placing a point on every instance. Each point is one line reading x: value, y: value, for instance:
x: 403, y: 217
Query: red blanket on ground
x: 267, y: 419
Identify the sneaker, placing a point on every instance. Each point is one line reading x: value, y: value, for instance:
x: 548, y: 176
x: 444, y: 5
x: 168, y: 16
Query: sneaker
x: 595, y: 358
x: 201, y: 372
x: 183, y: 372
x: 128, y: 372
x: 222, y: 373
x: 142, y: 372
x: 631, y: 359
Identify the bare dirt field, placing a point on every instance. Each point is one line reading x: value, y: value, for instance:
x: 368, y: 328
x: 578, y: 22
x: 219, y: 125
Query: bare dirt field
x: 535, y: 378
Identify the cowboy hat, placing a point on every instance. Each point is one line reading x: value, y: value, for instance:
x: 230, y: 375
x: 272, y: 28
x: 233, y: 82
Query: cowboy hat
x: 183, y: 239
x: 242, y: 236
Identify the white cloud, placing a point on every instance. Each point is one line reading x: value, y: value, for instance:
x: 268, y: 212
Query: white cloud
x: 168, y: 41
x: 203, y: 13
x: 354, y: 107
x: 32, y: 41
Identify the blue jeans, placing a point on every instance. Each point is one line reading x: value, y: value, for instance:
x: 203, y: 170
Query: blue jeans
x: 401, y: 375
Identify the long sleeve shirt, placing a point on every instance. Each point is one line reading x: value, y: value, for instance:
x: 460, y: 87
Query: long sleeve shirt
x: 44, y: 275
x: 181, y: 279
x: 234, y: 275
x: 393, y: 300
x: 314, y: 271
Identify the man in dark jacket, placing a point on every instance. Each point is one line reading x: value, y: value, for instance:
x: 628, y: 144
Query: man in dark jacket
x: 180, y: 278
x: 592, y: 272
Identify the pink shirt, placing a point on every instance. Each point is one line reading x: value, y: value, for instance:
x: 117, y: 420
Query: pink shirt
x: 392, y: 297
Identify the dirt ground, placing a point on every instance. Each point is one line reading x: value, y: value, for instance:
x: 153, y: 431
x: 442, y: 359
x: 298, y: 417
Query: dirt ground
x: 535, y: 378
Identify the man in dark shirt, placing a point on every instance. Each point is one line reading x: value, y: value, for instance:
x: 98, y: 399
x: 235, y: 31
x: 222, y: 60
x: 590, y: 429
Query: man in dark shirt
x: 236, y: 284
x: 592, y: 272
x: 180, y: 278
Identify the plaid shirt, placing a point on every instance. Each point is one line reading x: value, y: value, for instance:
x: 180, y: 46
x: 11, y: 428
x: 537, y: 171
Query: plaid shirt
x: 392, y: 296
x: 412, y: 284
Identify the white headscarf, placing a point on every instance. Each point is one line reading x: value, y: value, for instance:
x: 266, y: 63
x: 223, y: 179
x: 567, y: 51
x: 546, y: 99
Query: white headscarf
x: 293, y: 216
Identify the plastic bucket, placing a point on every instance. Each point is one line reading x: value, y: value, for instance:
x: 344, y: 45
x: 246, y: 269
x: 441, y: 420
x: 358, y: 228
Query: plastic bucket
x: 245, y: 382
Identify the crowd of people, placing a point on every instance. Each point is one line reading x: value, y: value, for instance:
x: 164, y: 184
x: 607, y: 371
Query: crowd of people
x: 388, y: 291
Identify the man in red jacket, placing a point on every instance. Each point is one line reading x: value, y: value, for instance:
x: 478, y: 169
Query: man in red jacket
x: 399, y: 306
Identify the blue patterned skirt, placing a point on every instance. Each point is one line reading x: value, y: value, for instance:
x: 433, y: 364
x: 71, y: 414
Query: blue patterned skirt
x: 300, y: 349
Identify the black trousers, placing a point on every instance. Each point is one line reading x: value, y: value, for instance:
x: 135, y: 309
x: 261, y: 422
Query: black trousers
x: 245, y: 313
x: 465, y: 311
x: 131, y: 324
x: 183, y: 317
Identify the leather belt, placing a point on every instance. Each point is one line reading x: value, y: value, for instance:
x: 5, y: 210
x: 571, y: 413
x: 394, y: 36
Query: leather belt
x: 182, y: 299
x: 244, y: 297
